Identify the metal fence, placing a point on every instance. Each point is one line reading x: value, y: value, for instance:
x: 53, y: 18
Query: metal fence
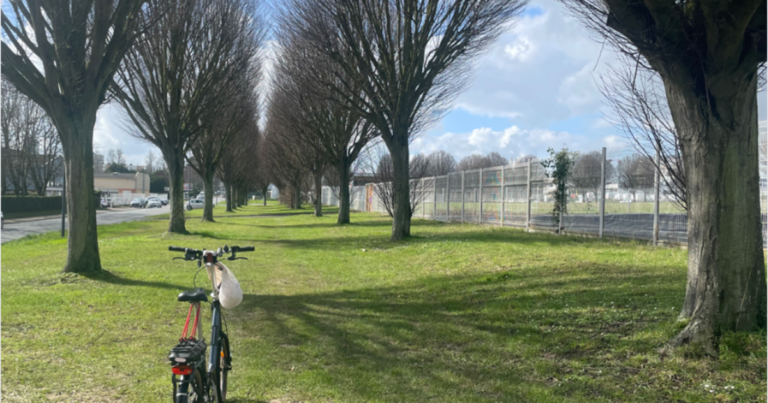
x: 601, y: 201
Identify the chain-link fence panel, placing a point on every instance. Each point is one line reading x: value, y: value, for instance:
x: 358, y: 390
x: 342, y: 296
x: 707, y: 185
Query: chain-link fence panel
x: 516, y: 195
x: 584, y: 193
x: 454, y: 196
x: 491, y: 196
x: 472, y: 196
x: 441, y: 198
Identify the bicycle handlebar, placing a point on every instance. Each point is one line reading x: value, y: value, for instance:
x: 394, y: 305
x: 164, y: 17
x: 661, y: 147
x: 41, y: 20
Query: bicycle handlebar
x: 180, y: 249
x: 194, y: 254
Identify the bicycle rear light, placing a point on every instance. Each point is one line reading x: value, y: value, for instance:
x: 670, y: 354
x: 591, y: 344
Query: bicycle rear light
x: 182, y: 370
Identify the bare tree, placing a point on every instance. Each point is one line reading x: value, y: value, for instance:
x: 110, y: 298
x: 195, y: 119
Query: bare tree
x: 170, y: 83
x: 98, y: 162
x: 79, y: 45
x: 472, y: 161
x: 237, y: 113
x: 586, y: 172
x: 31, y: 146
x: 285, y: 159
x: 149, y: 162
x: 496, y: 160
x: 707, y: 54
x: 405, y: 61
x: 523, y: 160
x: 635, y: 172
x: 477, y: 161
x: 47, y: 160
x: 441, y: 163
x: 641, y: 111
x: 384, y: 173
x: 18, y: 139
x: 336, y: 131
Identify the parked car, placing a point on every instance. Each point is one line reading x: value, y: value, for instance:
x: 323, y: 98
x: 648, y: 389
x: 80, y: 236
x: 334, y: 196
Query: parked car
x: 154, y: 202
x: 164, y: 201
x: 139, y: 203
x: 2, y: 220
x: 195, y: 204
x: 105, y: 203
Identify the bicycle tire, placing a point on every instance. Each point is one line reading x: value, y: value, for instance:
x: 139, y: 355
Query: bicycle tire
x: 224, y: 366
x: 185, y: 395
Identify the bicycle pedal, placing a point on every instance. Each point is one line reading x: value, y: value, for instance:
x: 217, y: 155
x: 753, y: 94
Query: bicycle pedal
x: 187, y: 351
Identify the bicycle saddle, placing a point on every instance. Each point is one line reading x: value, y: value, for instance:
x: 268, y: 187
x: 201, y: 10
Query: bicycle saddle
x: 196, y: 295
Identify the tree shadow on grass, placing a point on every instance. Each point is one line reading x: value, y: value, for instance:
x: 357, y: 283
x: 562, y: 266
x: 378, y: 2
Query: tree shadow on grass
x: 110, y: 278
x: 422, y: 235
x: 488, y: 338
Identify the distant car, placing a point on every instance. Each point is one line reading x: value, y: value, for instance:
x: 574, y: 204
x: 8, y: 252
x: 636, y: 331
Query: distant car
x: 154, y: 202
x: 195, y: 204
x: 201, y: 196
x: 2, y: 220
x: 104, y: 203
x: 139, y: 203
x: 164, y: 201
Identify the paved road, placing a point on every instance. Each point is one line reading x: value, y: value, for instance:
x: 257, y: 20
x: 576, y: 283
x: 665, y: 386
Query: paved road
x: 15, y: 230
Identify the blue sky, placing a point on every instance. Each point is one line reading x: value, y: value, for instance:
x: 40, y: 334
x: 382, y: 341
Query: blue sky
x: 534, y: 88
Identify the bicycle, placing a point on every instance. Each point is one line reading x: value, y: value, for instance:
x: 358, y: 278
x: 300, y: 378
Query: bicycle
x: 195, y: 382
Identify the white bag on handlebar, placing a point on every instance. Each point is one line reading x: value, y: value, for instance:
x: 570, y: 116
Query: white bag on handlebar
x: 230, y: 293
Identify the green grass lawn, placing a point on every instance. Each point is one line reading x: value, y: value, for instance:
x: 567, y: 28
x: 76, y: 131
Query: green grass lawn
x: 458, y: 313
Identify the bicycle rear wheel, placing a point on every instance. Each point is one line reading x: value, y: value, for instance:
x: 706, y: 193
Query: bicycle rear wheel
x: 190, y: 389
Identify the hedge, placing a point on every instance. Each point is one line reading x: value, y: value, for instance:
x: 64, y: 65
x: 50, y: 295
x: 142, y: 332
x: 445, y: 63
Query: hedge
x: 25, y: 204
x: 28, y: 204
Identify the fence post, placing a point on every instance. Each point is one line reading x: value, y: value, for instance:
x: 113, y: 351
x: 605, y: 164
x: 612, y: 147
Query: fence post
x: 482, y: 219
x: 423, y: 200
x: 462, y: 196
x: 448, y: 197
x: 64, y: 203
x: 602, y: 194
x: 528, y: 198
x: 434, y: 198
x: 503, y: 196
x: 656, y: 185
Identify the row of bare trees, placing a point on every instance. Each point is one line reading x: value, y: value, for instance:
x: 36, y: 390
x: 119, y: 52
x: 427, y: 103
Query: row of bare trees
x: 354, y: 71
x: 184, y: 71
x: 188, y: 86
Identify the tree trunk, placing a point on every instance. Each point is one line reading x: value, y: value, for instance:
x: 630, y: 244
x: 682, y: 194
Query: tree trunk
x: 296, y: 197
x: 318, y: 194
x: 726, y: 289
x: 343, y: 194
x: 82, y: 238
x: 401, y: 194
x: 228, y: 191
x: 264, y: 194
x: 208, y: 201
x: 176, y: 172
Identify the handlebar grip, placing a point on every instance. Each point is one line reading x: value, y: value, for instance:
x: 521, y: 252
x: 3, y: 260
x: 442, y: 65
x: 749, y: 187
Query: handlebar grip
x: 245, y: 249
x: 177, y: 249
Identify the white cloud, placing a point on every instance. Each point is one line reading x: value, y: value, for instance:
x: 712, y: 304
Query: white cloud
x: 539, y: 72
x: 512, y: 142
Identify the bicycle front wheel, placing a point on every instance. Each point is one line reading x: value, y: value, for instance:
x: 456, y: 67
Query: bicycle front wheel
x: 224, y: 366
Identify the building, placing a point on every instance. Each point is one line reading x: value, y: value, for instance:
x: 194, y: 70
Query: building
x: 117, y: 183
